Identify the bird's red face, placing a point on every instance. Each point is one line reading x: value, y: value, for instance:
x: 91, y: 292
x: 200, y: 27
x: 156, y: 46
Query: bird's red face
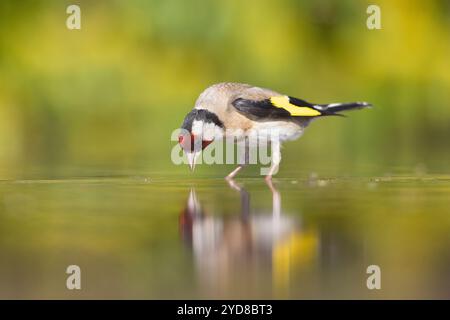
x: 192, y: 145
x: 200, y: 127
x: 192, y: 142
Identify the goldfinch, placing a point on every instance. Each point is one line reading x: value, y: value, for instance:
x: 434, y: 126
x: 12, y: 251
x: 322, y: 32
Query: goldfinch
x: 239, y: 111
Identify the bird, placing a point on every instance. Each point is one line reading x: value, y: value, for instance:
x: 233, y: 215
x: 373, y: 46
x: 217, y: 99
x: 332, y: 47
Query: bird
x: 240, y: 111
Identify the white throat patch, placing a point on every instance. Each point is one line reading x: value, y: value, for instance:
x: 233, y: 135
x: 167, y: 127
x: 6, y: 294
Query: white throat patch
x: 207, y: 130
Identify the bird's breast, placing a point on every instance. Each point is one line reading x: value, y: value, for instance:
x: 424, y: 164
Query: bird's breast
x: 238, y: 127
x: 282, y: 130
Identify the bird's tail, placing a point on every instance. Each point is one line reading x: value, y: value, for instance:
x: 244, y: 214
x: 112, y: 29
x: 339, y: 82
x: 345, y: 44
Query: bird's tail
x: 334, y: 108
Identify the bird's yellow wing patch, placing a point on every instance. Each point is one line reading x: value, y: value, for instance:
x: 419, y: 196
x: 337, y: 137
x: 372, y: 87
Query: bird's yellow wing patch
x: 284, y: 103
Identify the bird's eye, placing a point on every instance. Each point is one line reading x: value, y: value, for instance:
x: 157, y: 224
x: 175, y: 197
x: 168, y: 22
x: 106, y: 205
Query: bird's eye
x: 180, y: 139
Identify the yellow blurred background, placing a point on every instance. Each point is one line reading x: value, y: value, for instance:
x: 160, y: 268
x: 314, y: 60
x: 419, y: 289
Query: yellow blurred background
x: 85, y: 123
x: 104, y: 100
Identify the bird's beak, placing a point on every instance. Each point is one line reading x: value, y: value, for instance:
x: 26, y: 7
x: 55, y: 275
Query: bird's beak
x: 192, y: 158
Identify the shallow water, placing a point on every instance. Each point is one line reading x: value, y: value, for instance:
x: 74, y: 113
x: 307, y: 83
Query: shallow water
x: 153, y: 237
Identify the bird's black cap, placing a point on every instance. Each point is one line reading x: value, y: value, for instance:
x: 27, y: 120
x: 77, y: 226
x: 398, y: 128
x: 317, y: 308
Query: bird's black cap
x: 200, y: 115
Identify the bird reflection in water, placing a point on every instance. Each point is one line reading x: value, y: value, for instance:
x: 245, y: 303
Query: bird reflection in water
x: 234, y: 252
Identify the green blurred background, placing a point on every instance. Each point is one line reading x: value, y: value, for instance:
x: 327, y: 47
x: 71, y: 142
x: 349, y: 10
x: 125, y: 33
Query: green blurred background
x: 104, y: 100
x: 85, y: 123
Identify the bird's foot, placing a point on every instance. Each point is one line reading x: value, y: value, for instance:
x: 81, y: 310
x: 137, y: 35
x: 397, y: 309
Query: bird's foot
x: 233, y: 173
x: 233, y: 184
x: 269, y: 183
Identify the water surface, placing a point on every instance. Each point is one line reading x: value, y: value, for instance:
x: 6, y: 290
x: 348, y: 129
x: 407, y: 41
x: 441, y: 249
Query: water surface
x: 157, y: 237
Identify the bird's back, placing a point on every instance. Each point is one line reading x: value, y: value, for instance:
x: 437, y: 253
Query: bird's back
x: 218, y: 99
x: 220, y: 95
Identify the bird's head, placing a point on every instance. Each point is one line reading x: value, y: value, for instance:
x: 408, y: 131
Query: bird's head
x: 200, y: 127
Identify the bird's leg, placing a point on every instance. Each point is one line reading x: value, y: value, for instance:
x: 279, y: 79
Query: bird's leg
x: 233, y: 173
x: 245, y: 197
x: 233, y: 184
x: 276, y: 199
x: 276, y: 159
x: 246, y: 149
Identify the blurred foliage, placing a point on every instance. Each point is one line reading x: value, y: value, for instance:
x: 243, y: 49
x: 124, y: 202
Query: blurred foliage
x: 104, y: 100
x: 107, y: 97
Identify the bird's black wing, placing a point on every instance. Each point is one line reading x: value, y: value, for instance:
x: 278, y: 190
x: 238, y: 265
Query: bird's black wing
x: 277, y: 107
x: 259, y: 109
